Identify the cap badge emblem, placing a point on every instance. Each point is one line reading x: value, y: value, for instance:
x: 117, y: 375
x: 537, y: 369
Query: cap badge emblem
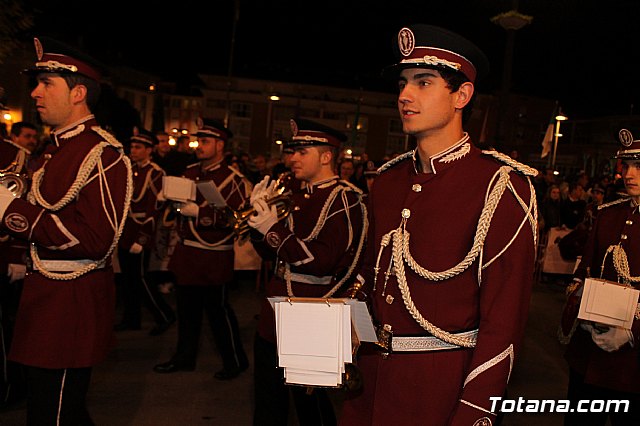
x: 199, y: 123
x: 406, y: 41
x: 136, y: 132
x: 626, y: 138
x: 39, y: 49
x: 294, y: 127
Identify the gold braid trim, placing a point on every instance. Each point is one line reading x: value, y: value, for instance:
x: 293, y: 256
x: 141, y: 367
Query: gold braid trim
x: 82, y: 178
x: 401, y: 253
x: 316, y: 231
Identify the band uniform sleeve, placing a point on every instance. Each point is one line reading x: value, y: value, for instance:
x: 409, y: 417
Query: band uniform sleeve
x: 505, y: 292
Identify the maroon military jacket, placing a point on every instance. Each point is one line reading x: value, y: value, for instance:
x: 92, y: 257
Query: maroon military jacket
x: 74, y: 219
x: 320, y: 243
x: 441, y: 213
x: 208, y: 238
x: 145, y: 211
x: 616, y: 223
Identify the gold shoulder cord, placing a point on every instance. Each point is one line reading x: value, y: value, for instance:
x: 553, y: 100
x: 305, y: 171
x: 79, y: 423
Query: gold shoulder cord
x: 400, y: 238
x: 320, y: 224
x: 91, y: 161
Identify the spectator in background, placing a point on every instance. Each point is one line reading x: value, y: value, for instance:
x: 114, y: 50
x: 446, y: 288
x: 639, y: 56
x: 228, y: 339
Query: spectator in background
x: 597, y: 199
x: 175, y: 160
x: 162, y: 151
x: 25, y: 134
x: 551, y: 209
x: 574, y: 207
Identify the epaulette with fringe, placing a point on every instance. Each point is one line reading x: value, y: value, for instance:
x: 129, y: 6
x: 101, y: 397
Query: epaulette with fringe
x: 516, y: 165
x: 108, y: 137
x: 236, y: 171
x: 395, y: 161
x: 614, y: 202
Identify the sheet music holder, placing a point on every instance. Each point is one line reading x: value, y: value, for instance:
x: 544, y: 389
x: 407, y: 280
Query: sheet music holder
x: 315, y: 337
x: 177, y: 188
x: 608, y: 303
x: 210, y: 192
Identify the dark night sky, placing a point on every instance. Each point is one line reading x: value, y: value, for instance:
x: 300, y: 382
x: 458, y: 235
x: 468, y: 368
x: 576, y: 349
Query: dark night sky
x: 580, y: 52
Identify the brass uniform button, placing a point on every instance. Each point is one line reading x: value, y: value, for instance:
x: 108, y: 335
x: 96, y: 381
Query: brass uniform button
x: 389, y: 299
x: 416, y: 187
x: 406, y: 213
x: 307, y: 196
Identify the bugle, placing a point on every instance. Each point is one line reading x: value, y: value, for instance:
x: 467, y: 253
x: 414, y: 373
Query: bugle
x: 14, y: 182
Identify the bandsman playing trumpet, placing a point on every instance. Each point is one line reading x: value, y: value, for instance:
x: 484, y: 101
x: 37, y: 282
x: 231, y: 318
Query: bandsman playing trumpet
x: 315, y: 250
x: 206, y: 237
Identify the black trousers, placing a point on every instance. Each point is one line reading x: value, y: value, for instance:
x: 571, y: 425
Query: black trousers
x: 58, y: 397
x: 137, y: 289
x: 579, y: 390
x: 13, y: 382
x: 192, y: 301
x: 271, y: 394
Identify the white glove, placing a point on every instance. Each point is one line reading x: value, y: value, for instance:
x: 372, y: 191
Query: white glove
x: 6, y: 197
x: 188, y: 209
x: 611, y: 340
x: 135, y: 248
x: 264, y: 218
x: 263, y: 189
x: 16, y: 272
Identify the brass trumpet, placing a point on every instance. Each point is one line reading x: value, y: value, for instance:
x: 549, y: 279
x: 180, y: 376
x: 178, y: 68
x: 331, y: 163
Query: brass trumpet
x: 238, y: 219
x: 14, y: 182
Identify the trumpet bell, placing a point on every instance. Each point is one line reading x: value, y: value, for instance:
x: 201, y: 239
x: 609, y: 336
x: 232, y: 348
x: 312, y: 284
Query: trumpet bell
x: 14, y: 182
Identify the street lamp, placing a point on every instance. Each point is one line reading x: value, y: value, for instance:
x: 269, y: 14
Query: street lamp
x: 511, y: 21
x: 559, y: 118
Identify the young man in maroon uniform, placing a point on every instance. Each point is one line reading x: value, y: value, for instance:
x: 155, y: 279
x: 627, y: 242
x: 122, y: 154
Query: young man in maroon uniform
x: 315, y: 252
x: 136, y: 243
x: 207, y: 238
x: 603, y: 361
x: 450, y: 253
x: 77, y: 207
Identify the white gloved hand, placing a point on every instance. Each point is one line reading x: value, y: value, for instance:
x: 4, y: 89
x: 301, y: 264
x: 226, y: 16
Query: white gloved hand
x: 135, y: 248
x: 586, y: 326
x: 189, y: 209
x: 160, y: 197
x: 610, y: 340
x: 16, y: 271
x: 6, y: 197
x: 263, y: 190
x: 266, y: 216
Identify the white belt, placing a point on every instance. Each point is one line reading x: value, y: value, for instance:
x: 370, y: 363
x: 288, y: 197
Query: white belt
x: 66, y: 265
x: 199, y: 245
x: 427, y: 343
x: 307, y: 279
